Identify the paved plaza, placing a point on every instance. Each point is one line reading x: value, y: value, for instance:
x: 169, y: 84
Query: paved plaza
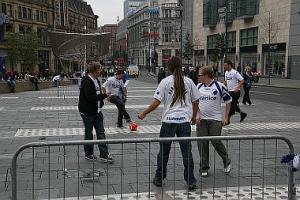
x: 52, y: 115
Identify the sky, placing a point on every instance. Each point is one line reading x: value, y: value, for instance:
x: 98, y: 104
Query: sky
x: 107, y: 10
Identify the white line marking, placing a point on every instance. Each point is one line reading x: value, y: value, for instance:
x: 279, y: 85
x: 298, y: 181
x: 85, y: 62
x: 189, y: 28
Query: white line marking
x: 76, y: 97
x: 105, y: 107
x: 9, y: 97
x: 154, y: 129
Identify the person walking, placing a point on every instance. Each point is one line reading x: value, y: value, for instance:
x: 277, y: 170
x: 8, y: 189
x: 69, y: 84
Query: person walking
x: 90, y: 99
x: 234, y: 82
x: 247, y: 85
x: 115, y: 86
x: 210, y: 118
x: 180, y: 98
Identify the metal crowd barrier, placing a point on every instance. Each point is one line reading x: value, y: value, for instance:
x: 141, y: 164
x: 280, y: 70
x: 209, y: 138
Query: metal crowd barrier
x: 59, y: 170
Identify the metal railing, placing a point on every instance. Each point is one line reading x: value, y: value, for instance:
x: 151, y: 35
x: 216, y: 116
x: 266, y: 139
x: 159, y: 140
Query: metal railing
x: 47, y: 165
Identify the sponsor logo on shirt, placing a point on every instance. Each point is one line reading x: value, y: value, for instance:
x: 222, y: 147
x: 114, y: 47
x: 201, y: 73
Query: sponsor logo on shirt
x: 176, y: 118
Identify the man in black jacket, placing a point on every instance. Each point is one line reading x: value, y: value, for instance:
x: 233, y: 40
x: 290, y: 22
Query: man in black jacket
x: 90, y: 99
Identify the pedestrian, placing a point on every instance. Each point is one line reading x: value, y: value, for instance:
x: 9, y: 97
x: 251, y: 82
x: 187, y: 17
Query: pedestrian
x: 234, y: 82
x: 248, y: 77
x: 90, y: 101
x: 180, y: 98
x: 34, y: 80
x: 115, y: 86
x: 56, y: 80
x: 161, y: 74
x: 11, y: 81
x: 211, y: 118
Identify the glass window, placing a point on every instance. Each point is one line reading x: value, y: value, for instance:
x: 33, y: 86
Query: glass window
x: 249, y: 37
x: 24, y: 14
x: 19, y: 12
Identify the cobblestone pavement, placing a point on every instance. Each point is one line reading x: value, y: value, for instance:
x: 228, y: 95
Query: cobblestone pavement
x: 52, y: 115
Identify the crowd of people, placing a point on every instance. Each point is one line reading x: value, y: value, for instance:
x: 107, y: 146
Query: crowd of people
x: 186, y: 100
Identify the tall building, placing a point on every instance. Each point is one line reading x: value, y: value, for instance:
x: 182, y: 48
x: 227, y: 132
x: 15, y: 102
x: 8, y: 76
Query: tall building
x: 131, y: 5
x: 110, y: 28
x: 121, y: 42
x: 154, y: 34
x: 260, y: 33
x: 42, y: 16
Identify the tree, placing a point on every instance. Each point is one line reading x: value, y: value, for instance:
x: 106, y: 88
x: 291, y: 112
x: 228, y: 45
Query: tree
x: 219, y: 51
x: 188, y: 47
x: 22, y: 48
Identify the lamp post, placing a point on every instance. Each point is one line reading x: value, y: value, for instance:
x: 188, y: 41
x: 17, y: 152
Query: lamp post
x: 226, y: 29
x: 180, y: 4
x: 269, y: 48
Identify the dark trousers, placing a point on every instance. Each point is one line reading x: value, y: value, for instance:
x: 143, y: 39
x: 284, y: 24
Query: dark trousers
x: 89, y: 122
x: 34, y: 81
x: 211, y: 128
x: 180, y: 130
x: 121, y: 109
x: 235, y: 103
x: 246, y: 97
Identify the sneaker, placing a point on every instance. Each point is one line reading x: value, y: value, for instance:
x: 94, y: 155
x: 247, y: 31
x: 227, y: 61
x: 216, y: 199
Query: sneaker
x: 243, y: 116
x: 128, y: 120
x: 204, y: 173
x: 90, y: 157
x: 227, y: 169
x: 157, y: 181
x: 192, y: 186
x: 107, y: 159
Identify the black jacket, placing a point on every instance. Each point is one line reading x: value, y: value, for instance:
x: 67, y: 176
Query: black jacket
x: 88, y: 98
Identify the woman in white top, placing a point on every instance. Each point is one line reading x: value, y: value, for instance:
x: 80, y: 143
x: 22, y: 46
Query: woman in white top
x: 180, y: 98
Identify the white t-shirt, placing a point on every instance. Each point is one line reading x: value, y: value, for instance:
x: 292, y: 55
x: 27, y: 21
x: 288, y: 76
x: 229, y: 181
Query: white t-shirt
x: 115, y: 86
x: 56, y: 78
x: 232, y: 78
x: 211, y: 99
x: 178, y: 113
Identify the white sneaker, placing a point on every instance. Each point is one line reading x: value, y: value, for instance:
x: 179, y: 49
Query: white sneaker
x: 204, y: 173
x: 227, y: 169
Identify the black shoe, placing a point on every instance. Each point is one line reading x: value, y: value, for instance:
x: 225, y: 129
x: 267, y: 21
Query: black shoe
x: 157, y: 181
x: 128, y: 120
x: 107, y: 159
x: 120, y: 126
x: 243, y: 116
x: 192, y: 186
x: 90, y: 157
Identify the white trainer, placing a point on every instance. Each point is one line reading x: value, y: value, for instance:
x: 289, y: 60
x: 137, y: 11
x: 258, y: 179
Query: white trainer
x: 227, y: 169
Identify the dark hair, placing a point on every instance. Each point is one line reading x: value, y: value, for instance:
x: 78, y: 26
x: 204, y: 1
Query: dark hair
x: 119, y: 72
x: 174, y: 66
x: 228, y: 62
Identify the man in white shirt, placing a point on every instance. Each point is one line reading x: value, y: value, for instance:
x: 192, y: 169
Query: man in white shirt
x: 180, y: 98
x: 210, y: 118
x: 234, y: 82
x: 115, y: 86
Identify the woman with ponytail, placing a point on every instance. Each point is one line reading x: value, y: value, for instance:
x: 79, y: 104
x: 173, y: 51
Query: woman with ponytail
x: 179, y: 96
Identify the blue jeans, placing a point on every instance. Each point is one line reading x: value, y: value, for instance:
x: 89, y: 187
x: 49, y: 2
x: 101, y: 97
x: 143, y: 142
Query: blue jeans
x: 89, y: 122
x: 181, y: 130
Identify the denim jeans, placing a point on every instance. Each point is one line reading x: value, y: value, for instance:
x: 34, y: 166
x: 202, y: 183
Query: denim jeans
x: 181, y: 130
x: 121, y: 109
x: 89, y: 122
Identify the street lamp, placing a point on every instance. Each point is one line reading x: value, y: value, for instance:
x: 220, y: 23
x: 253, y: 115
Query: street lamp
x: 180, y: 5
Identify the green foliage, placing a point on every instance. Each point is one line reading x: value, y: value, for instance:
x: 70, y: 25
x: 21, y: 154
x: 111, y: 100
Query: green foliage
x: 188, y: 48
x: 22, y: 48
x: 219, y: 51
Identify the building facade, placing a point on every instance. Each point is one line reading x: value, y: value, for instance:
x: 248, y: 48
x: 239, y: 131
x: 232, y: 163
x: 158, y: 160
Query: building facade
x: 110, y: 28
x: 154, y: 34
x: 43, y: 16
x: 121, y: 42
x: 131, y: 5
x: 259, y: 34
